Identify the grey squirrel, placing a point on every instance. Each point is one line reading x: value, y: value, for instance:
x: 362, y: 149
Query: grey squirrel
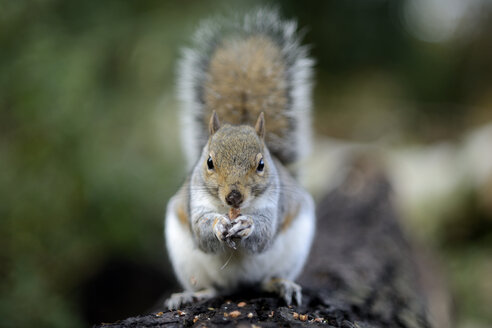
x: 241, y: 216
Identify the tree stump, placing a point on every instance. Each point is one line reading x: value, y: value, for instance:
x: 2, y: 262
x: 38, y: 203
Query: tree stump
x: 360, y: 273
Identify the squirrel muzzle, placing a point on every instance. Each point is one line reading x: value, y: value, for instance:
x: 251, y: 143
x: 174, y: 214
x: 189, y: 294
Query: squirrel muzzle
x: 234, y: 198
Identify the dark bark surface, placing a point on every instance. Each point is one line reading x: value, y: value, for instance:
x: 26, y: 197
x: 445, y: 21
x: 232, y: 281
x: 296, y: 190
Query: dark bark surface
x: 360, y: 272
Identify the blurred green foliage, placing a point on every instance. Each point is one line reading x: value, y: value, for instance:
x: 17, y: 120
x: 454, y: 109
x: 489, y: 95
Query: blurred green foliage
x: 89, y: 152
x: 89, y: 146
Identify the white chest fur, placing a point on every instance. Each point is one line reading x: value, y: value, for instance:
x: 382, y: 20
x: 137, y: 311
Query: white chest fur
x: 197, y: 270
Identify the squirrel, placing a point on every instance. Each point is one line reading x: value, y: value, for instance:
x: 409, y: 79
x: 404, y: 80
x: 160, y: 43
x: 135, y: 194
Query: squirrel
x: 242, y: 218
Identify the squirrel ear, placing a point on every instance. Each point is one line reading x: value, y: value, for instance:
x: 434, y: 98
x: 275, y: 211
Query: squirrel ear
x: 260, y: 125
x: 213, y: 124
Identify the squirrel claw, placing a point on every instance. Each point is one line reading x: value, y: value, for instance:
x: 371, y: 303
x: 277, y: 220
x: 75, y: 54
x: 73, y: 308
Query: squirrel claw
x: 284, y: 288
x: 176, y: 300
x: 231, y: 243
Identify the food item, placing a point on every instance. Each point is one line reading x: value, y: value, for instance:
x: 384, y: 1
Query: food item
x: 234, y: 213
x: 234, y: 314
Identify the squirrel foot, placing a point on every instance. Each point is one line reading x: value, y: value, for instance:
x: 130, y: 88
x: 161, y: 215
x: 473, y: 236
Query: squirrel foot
x: 176, y: 300
x: 284, y: 288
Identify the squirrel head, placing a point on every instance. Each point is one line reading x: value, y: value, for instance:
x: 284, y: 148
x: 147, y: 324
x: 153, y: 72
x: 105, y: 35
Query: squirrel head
x: 236, y: 164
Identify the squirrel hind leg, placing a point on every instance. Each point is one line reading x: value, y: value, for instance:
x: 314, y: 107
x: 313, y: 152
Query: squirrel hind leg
x: 284, y: 288
x: 176, y: 300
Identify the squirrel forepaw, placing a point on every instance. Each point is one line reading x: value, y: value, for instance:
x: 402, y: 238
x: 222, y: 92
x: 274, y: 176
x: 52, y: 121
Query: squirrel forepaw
x: 241, y: 227
x: 230, y: 231
x: 221, y: 227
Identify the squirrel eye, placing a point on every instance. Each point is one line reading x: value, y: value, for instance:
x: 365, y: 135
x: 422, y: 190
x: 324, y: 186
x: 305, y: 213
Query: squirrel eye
x: 210, y: 163
x: 261, y: 166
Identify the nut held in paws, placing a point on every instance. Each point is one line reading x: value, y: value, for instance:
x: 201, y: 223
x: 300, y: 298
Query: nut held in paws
x: 234, y: 213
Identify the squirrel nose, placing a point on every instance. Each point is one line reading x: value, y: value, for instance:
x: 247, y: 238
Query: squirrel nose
x: 234, y: 198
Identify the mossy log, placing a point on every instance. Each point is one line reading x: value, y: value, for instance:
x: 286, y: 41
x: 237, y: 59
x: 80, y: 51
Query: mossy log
x: 360, y: 273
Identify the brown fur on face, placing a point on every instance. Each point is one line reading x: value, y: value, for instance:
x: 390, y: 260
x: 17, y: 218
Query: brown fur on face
x: 245, y: 78
x: 235, y: 154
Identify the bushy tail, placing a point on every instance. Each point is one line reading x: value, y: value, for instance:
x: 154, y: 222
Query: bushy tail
x: 241, y: 67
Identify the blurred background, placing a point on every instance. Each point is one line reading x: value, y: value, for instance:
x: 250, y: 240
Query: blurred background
x: 90, y: 152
